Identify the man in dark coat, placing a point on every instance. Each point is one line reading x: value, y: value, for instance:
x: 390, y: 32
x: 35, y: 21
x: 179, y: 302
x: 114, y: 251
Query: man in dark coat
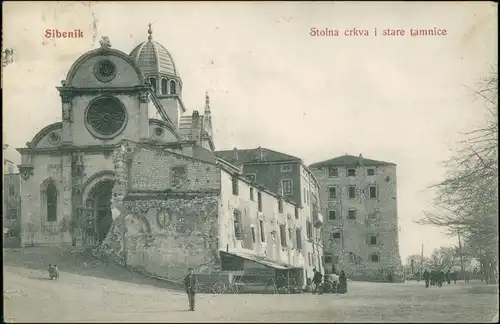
x: 448, y: 277
x: 317, y: 278
x: 440, y: 278
x: 427, y: 277
x: 342, y: 287
x: 190, y: 285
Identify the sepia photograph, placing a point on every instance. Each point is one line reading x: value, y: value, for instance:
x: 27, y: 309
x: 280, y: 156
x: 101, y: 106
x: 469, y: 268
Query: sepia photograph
x: 250, y: 161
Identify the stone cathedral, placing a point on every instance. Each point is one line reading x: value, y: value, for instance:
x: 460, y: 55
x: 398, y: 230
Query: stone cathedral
x: 129, y: 174
x: 111, y: 101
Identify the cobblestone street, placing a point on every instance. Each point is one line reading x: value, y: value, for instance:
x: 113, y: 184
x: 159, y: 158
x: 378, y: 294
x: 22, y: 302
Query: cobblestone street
x: 88, y: 296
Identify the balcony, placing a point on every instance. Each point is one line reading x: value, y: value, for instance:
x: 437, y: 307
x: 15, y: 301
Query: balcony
x: 317, y: 218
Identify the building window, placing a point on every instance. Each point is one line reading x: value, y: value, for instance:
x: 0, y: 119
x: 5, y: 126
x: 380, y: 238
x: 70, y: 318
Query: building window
x: 286, y: 168
x: 259, y: 201
x: 164, y: 86
x: 297, y: 212
x: 253, y: 234
x: 153, y: 84
x: 332, y: 215
x: 290, y: 234
x: 51, y: 202
x: 12, y: 214
x: 373, y: 192
x: 373, y: 240
x: 307, y: 196
x: 173, y: 89
x: 238, y: 225
x: 374, y: 257
x: 283, y: 235
x: 298, y: 236
x: 352, y: 192
x: 250, y: 177
x: 262, y: 233
x: 333, y: 172
x: 336, y: 235
x: 280, y: 205
x: 12, y: 190
x: 251, y: 194
x: 332, y: 192
x: 287, y: 187
x: 309, y: 229
x: 235, y: 186
x: 328, y: 258
x: 178, y: 175
x: 351, y: 172
x: 370, y: 172
x: 351, y: 214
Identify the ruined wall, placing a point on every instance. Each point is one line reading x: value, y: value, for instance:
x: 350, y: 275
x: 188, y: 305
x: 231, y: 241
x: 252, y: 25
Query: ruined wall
x: 164, y: 226
x: 352, y: 251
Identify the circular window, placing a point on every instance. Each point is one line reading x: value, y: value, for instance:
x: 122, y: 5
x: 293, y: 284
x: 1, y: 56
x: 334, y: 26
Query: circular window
x: 106, y: 117
x: 54, y: 138
x: 105, y: 71
x: 163, y: 218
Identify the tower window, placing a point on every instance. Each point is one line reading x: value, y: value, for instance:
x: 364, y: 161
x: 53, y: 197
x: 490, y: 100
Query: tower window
x: 332, y: 193
x: 332, y: 215
x: 173, y: 88
x: 153, y: 84
x: 164, y: 86
x: 373, y: 192
x: 351, y: 214
x: 352, y: 192
x: 374, y: 257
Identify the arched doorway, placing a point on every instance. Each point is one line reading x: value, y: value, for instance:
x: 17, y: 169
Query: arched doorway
x: 99, y: 218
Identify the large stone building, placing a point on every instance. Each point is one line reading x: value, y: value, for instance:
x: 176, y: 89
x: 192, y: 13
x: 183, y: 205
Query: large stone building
x: 286, y: 175
x: 129, y: 172
x: 359, y: 201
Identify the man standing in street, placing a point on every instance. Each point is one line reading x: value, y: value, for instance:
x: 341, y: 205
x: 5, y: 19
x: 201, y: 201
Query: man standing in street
x: 317, y: 280
x: 190, y: 284
x: 427, y: 277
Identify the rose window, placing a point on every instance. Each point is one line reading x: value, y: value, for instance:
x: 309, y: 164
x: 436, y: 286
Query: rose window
x: 106, y: 117
x: 105, y: 71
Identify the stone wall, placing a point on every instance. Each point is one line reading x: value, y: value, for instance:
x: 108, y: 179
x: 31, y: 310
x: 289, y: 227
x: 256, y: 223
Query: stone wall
x: 378, y: 217
x: 164, y: 226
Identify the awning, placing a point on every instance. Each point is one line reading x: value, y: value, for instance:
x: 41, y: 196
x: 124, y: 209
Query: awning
x: 259, y: 259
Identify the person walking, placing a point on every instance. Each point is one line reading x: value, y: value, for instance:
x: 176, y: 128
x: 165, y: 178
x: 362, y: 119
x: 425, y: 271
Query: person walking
x: 427, y: 277
x: 317, y: 278
x: 190, y: 282
x: 342, y: 287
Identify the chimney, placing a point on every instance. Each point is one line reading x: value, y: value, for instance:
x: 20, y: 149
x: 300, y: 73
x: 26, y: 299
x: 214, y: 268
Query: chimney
x: 261, y: 153
x: 235, y: 151
x: 207, y: 104
x: 360, y: 159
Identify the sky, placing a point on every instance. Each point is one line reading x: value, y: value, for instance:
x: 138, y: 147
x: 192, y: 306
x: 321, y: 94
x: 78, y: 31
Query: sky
x: 401, y: 99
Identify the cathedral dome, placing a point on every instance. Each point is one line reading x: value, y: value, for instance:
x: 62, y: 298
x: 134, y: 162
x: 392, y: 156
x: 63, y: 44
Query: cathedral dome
x: 153, y: 58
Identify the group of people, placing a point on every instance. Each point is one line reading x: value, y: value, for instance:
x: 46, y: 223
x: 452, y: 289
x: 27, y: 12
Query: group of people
x: 319, y: 284
x: 437, y: 278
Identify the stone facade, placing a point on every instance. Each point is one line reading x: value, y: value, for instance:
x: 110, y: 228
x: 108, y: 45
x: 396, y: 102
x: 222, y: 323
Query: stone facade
x: 145, y: 187
x: 360, y: 235
x: 12, y: 204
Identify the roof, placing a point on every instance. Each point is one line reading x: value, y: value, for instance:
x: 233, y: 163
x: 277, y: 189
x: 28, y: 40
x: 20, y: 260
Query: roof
x: 257, y: 155
x: 258, y: 259
x: 153, y: 58
x: 349, y: 160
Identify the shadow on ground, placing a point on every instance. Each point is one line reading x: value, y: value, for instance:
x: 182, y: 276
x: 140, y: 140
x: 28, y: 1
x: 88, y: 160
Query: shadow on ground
x: 39, y: 258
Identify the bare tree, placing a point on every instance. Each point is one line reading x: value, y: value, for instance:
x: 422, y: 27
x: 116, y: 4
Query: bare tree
x: 466, y: 201
x: 442, y: 259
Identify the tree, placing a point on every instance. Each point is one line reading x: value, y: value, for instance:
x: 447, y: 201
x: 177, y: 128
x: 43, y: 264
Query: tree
x: 466, y: 201
x: 443, y: 259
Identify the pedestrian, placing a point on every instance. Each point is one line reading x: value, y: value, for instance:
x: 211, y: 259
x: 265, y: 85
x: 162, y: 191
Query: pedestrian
x: 317, y: 278
x: 448, y: 277
x: 342, y: 286
x: 427, y: 277
x: 190, y: 285
x: 441, y: 278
